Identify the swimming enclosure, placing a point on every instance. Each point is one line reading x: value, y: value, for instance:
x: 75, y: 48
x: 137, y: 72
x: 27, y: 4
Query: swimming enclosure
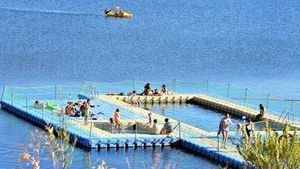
x: 274, y: 105
x: 20, y: 100
x: 287, y: 109
x: 96, y: 134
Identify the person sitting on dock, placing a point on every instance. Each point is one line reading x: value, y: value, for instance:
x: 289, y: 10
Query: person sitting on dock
x: 77, y: 106
x: 224, y: 129
x: 155, y: 127
x: 112, y: 125
x: 262, y: 113
x: 70, y: 109
x: 164, y: 90
x: 115, y: 94
x: 133, y: 93
x: 167, y: 128
x: 117, y: 119
x: 147, y: 90
x: 156, y: 93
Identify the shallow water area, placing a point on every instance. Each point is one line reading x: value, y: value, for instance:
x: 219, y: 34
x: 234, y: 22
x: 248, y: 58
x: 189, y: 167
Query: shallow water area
x: 194, y: 115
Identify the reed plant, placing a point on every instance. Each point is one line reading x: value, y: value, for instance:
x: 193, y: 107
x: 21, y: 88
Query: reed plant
x: 60, y: 150
x: 271, y: 150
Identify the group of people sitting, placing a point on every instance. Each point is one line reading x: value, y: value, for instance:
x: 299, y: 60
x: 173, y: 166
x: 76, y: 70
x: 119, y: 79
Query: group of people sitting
x: 148, y: 91
x: 151, y: 126
x: 72, y: 109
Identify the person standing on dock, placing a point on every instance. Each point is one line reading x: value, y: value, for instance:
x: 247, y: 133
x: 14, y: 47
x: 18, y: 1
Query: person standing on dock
x: 86, y: 110
x: 117, y: 119
x: 224, y: 129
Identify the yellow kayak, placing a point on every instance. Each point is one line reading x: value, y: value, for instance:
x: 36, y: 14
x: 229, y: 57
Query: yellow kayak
x: 121, y: 15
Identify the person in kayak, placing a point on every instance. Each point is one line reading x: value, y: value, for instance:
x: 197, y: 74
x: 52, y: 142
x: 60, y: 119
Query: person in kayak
x: 116, y: 10
x: 107, y: 11
x: 120, y: 13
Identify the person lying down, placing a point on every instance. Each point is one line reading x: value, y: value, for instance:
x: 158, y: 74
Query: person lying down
x: 52, y: 107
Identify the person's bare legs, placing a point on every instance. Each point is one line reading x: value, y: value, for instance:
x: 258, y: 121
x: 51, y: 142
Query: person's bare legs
x: 85, y: 120
x: 225, y: 137
x: 119, y: 127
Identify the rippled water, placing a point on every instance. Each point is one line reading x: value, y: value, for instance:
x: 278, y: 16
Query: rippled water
x: 252, y: 44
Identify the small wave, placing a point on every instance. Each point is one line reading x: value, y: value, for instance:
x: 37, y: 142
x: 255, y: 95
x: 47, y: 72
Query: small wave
x: 48, y: 11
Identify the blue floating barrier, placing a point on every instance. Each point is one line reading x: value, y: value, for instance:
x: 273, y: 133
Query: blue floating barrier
x: 199, y: 149
x: 235, y: 163
x: 193, y: 147
x: 215, y: 157
x: 80, y: 139
x: 211, y: 154
x: 221, y: 158
x: 230, y: 161
x: 226, y: 159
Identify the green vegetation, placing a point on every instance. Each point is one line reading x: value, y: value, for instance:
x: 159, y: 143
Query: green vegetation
x: 59, y: 149
x: 272, y: 150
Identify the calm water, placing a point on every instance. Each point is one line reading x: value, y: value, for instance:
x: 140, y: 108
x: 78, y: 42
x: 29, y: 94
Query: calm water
x: 251, y: 44
x: 197, y: 116
x: 15, y: 131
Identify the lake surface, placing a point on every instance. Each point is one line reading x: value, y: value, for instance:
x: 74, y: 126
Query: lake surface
x: 194, y: 115
x: 254, y: 44
x: 15, y: 131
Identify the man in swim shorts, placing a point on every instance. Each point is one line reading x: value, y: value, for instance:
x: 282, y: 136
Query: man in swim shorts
x: 224, y: 129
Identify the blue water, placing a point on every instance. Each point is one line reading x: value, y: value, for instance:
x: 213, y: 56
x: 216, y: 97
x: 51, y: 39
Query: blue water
x: 15, y: 131
x: 249, y: 43
x: 194, y: 115
x: 254, y: 44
